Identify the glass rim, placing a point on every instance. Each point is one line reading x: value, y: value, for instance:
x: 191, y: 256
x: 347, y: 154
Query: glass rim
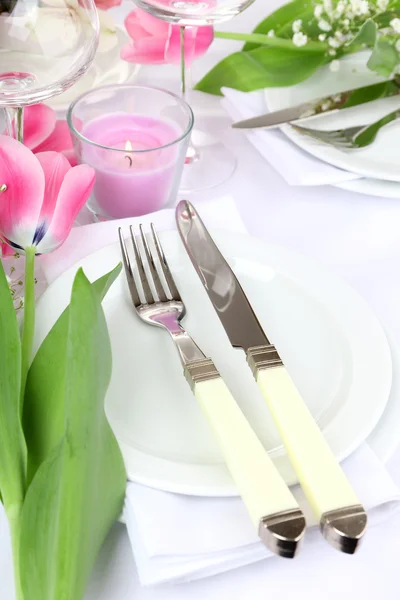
x: 180, y: 101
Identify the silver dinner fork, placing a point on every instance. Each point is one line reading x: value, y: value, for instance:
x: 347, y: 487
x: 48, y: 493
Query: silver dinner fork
x: 350, y: 138
x: 157, y: 301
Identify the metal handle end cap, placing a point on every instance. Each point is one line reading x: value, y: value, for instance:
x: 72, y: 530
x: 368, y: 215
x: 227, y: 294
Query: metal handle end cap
x: 343, y: 528
x: 283, y: 532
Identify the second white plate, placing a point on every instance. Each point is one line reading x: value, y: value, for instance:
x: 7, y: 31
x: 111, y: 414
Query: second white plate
x: 380, y: 160
x: 330, y: 340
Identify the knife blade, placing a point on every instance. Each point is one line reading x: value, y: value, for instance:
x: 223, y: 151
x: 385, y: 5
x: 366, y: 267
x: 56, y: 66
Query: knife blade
x: 336, y: 507
x: 322, y: 106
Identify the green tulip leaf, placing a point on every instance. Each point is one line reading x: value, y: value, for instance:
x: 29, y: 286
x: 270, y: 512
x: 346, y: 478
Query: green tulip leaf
x: 261, y: 68
x: 281, y: 18
x: 12, y: 443
x: 43, y: 416
x: 384, y: 58
x: 77, y: 492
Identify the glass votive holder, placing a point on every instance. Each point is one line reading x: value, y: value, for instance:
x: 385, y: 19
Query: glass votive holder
x: 136, y: 138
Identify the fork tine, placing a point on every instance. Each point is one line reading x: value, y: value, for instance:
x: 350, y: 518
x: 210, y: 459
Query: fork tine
x: 153, y: 270
x: 164, y: 265
x: 128, y: 270
x: 148, y: 294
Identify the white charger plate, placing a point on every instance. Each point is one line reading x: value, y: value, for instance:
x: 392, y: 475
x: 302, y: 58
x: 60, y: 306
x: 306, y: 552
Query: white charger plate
x: 331, y: 342
x: 379, y: 161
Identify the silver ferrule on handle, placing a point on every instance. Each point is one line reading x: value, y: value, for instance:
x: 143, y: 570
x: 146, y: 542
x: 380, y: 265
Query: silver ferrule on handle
x: 263, y: 357
x: 283, y: 532
x: 343, y: 528
x: 197, y: 371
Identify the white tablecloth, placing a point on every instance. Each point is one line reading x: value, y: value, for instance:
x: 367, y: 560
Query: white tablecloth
x: 357, y: 237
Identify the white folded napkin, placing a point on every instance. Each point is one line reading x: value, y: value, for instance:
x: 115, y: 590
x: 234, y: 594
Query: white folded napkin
x: 180, y: 538
x: 220, y: 213
x: 295, y: 165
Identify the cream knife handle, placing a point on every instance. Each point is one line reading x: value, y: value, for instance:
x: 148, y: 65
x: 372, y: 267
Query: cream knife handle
x: 269, y: 502
x: 335, y: 504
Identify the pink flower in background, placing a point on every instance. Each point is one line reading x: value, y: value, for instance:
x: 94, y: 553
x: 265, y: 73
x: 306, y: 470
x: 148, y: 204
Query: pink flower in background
x: 106, y: 4
x: 40, y: 196
x: 157, y: 42
x: 42, y: 132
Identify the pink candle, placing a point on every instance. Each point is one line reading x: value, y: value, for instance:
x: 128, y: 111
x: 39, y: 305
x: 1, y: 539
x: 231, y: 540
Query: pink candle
x: 137, y: 171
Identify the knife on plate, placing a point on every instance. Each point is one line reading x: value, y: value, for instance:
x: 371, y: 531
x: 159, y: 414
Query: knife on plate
x: 322, y: 106
x: 341, y: 516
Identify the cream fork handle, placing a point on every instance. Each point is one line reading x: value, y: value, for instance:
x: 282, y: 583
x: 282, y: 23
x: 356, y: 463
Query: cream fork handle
x: 334, y: 502
x: 269, y: 502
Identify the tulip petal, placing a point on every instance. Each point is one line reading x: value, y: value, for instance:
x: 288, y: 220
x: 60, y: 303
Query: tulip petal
x: 39, y: 122
x: 58, y: 140
x: 21, y: 202
x: 154, y: 26
x: 74, y: 192
x: 145, y: 51
x: 55, y: 167
x: 197, y: 42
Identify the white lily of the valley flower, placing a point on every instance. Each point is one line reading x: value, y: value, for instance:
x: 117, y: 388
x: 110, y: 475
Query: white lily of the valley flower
x: 299, y: 39
x: 296, y: 26
x: 395, y: 24
x: 271, y: 33
x: 323, y: 25
x: 322, y: 37
x: 382, y: 4
x: 318, y: 10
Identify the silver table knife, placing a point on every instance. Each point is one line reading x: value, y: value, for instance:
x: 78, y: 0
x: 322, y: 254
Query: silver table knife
x: 320, y: 106
x: 336, y: 506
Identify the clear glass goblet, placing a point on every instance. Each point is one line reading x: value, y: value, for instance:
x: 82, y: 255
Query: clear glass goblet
x: 45, y: 47
x: 206, y: 165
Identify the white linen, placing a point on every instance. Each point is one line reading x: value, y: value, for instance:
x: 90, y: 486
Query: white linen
x: 294, y: 164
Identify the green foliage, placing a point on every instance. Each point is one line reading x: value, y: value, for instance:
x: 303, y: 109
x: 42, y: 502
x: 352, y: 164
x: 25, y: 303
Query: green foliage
x: 384, y: 58
x: 12, y: 443
x: 260, y: 68
x: 77, y: 492
x: 272, y: 56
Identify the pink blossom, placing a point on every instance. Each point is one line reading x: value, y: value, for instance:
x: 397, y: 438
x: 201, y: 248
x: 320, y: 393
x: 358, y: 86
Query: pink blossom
x: 157, y: 42
x: 106, y: 4
x: 40, y: 195
x: 43, y: 133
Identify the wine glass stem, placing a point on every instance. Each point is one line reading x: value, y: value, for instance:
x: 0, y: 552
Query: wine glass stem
x: 192, y: 154
x: 15, y: 122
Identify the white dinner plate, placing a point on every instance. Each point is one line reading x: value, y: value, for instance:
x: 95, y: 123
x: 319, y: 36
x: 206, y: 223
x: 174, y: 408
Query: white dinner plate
x: 380, y: 160
x: 371, y: 187
x: 107, y: 68
x: 331, y: 342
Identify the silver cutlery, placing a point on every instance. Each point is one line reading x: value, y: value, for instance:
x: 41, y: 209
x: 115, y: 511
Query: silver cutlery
x: 270, y: 503
x: 336, y: 506
x: 350, y: 138
x: 322, y: 106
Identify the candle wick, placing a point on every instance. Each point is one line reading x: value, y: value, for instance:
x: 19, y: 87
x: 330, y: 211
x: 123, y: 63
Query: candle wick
x: 130, y: 160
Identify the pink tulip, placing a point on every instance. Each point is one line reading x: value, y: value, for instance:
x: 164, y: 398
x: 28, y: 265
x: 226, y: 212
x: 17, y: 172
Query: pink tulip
x: 40, y: 196
x: 43, y: 133
x: 157, y: 42
x: 106, y: 4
